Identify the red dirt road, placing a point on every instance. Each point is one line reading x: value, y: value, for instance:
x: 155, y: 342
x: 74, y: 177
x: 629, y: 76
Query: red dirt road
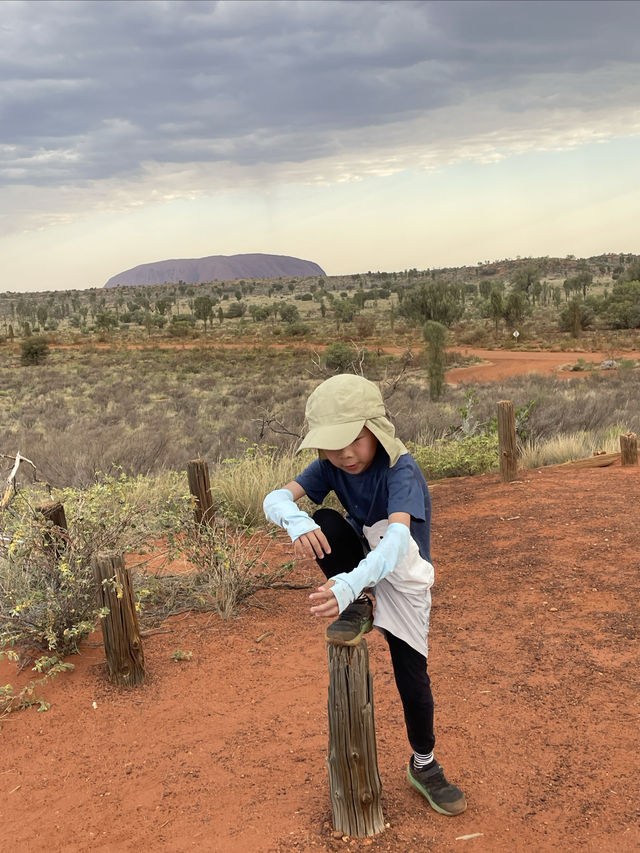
x: 534, y: 662
x: 501, y: 364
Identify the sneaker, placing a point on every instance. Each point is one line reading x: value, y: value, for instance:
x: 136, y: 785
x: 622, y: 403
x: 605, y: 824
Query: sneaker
x: 354, y: 621
x: 432, y: 784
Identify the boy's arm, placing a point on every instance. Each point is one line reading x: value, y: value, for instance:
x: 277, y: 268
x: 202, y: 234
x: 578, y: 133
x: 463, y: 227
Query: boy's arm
x: 307, y: 537
x: 341, y: 590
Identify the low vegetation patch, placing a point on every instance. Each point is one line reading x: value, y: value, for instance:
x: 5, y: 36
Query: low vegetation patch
x: 474, y: 454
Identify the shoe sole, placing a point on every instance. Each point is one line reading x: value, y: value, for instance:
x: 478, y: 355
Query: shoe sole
x: 354, y: 640
x: 414, y: 782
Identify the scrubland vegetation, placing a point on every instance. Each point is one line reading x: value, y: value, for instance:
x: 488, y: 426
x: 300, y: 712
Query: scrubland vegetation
x: 110, y: 393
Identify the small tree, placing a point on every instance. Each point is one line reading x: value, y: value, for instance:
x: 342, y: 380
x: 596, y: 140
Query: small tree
x: 288, y: 312
x: 439, y: 301
x: 203, y: 309
x: 343, y: 310
x: 496, y: 306
x: 42, y: 314
x: 515, y: 307
x: 574, y: 318
x: 34, y: 350
x: 525, y: 278
x: 434, y: 334
x: 106, y: 321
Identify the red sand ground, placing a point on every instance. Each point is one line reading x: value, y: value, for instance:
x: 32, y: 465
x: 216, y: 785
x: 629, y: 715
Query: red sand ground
x: 501, y: 364
x: 533, y: 657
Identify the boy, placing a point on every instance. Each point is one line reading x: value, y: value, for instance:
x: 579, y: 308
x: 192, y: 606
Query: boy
x: 384, y: 542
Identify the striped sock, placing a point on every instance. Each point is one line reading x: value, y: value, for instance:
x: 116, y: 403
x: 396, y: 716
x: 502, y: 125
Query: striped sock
x: 420, y: 761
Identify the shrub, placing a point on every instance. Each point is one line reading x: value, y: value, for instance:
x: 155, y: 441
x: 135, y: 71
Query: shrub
x: 229, y: 568
x: 297, y: 329
x: 476, y: 454
x: 47, y: 593
x: 575, y: 317
x: 365, y: 325
x: 34, y: 350
x: 339, y: 357
x: 288, y: 312
x: 235, y: 310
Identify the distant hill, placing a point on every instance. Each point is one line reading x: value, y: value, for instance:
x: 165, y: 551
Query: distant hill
x: 215, y: 268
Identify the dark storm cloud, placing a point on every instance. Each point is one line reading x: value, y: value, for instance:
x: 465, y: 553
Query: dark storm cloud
x: 92, y: 90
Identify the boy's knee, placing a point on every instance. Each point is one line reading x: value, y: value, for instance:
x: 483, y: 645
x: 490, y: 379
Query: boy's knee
x: 328, y: 518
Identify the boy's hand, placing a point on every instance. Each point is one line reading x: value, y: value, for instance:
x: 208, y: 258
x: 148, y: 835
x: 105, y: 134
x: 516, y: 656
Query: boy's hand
x: 311, y: 544
x: 324, y: 602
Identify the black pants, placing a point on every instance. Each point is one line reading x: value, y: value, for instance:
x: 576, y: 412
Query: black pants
x: 409, y: 666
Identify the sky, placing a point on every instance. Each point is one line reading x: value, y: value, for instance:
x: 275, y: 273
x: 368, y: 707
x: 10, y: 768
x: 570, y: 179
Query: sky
x: 359, y: 135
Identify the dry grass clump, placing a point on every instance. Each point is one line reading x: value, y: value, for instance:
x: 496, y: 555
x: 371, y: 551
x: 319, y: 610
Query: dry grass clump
x: 239, y: 486
x: 566, y: 447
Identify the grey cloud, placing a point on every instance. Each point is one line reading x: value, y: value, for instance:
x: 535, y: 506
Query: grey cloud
x: 94, y: 90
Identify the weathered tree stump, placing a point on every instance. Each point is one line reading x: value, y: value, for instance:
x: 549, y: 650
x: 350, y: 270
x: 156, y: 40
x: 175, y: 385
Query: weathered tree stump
x: 629, y: 449
x: 507, y: 441
x: 122, y: 643
x: 200, y: 488
x: 54, y: 512
x: 354, y: 779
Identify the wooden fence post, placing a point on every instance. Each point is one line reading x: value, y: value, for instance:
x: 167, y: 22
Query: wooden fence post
x: 628, y: 449
x: 200, y: 488
x: 122, y: 643
x: 507, y: 441
x: 54, y: 512
x: 354, y: 780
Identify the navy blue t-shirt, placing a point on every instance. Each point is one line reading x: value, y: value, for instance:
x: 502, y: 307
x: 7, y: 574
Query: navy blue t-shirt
x: 376, y: 493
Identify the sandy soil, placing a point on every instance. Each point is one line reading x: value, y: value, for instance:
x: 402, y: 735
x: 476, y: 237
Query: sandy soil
x: 501, y: 364
x: 533, y: 657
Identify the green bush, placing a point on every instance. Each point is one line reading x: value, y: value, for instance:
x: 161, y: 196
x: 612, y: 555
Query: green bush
x: 47, y: 592
x: 339, y: 357
x: 235, y: 310
x: 34, y: 350
x: 297, y: 330
x: 475, y: 454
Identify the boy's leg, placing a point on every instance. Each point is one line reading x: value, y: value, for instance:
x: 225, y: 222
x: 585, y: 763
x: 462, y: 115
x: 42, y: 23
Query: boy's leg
x: 347, y: 549
x: 414, y: 687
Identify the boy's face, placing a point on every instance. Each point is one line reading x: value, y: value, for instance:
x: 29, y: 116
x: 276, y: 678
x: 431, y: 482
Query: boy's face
x: 357, y: 456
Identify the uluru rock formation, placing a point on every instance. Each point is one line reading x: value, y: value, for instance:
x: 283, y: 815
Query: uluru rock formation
x: 215, y: 268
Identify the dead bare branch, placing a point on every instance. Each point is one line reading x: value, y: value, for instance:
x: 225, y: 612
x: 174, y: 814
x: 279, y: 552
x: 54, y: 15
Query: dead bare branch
x: 10, y: 487
x: 390, y: 384
x: 269, y: 422
x: 319, y: 368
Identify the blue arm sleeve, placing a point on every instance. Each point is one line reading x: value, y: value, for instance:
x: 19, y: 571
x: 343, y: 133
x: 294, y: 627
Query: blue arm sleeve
x: 280, y: 508
x: 375, y: 566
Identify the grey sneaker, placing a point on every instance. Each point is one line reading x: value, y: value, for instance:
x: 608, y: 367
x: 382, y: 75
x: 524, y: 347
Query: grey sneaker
x: 354, y: 621
x: 432, y: 784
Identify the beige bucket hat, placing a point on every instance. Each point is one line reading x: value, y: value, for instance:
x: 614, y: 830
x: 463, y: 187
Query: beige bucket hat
x: 338, y: 409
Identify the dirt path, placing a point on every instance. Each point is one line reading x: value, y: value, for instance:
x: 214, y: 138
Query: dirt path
x: 501, y: 364
x: 533, y: 656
